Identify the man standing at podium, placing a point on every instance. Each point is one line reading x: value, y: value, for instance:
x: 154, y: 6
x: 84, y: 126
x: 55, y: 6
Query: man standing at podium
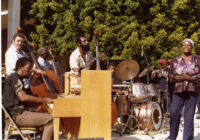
x: 81, y: 56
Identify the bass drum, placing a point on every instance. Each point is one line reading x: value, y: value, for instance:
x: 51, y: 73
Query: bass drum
x: 149, y: 115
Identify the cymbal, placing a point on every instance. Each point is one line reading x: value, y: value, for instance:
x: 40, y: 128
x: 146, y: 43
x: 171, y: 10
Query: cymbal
x: 127, y: 69
x: 144, y: 72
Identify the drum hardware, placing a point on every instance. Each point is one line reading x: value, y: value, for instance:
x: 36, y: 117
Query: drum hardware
x: 132, y: 116
x: 121, y: 86
x: 164, y: 102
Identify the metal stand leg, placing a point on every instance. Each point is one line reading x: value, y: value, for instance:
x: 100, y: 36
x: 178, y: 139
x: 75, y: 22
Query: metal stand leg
x: 130, y: 117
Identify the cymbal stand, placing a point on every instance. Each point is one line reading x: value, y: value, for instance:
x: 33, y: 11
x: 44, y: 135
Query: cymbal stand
x: 148, y: 65
x: 132, y: 116
x: 148, y: 81
x: 165, y: 110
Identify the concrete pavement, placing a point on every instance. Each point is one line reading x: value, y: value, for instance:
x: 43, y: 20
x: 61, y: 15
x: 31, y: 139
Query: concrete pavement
x: 157, y: 135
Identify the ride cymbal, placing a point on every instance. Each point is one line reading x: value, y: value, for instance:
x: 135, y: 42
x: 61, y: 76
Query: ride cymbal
x: 127, y: 69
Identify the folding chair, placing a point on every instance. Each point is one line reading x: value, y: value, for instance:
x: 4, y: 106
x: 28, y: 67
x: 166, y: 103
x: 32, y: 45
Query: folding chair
x: 13, y: 129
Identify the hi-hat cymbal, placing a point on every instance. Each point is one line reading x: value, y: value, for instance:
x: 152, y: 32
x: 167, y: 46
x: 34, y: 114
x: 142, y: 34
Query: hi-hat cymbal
x: 144, y: 72
x: 127, y: 69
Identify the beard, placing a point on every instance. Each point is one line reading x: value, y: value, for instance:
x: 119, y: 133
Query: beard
x: 85, y: 47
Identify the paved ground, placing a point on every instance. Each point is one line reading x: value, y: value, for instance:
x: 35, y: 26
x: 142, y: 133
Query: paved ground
x: 161, y: 135
x: 155, y: 135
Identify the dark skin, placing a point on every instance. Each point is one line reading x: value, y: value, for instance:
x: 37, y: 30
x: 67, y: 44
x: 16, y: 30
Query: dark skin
x: 112, y: 69
x: 23, y: 72
x: 186, y: 55
x: 83, y: 52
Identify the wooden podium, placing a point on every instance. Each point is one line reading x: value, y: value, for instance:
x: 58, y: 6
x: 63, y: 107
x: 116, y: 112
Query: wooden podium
x: 92, y: 109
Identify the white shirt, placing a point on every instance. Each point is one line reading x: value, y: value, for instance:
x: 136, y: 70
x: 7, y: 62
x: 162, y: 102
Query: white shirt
x: 45, y: 64
x: 11, y: 57
x: 77, y: 61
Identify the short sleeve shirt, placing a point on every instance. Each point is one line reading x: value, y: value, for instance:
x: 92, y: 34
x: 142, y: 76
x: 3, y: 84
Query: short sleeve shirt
x: 76, y: 60
x: 13, y: 85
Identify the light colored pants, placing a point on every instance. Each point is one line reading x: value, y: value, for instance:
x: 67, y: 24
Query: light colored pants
x: 36, y: 119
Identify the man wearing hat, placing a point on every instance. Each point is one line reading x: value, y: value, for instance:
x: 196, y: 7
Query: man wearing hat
x: 160, y: 77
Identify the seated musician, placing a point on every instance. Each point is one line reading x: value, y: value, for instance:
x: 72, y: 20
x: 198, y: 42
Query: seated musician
x: 15, y: 97
x: 111, y: 66
x: 43, y: 59
x: 81, y: 56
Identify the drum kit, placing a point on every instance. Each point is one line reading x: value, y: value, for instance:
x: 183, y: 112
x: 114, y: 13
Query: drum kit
x: 139, y: 103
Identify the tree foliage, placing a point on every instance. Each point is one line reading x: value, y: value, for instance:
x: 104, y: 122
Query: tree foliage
x: 124, y: 26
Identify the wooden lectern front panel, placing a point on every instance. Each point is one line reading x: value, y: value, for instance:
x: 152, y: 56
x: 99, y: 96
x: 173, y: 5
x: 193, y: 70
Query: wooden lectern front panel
x: 95, y: 104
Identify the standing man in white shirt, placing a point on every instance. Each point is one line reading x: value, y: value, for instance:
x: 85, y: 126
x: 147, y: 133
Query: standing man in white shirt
x: 15, y: 52
x: 81, y: 56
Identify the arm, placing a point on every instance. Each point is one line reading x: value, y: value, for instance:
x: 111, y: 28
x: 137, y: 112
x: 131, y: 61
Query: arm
x: 73, y: 62
x: 175, y: 77
x: 28, y: 98
x: 42, y: 72
x: 17, y: 86
x: 196, y: 77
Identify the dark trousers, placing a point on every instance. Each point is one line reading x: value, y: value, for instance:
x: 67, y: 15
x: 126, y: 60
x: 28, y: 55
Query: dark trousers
x: 188, y: 101
x: 198, y: 105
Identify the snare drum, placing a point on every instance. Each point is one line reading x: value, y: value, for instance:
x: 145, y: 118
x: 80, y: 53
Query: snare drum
x: 149, y: 115
x: 151, y: 90
x: 138, y: 89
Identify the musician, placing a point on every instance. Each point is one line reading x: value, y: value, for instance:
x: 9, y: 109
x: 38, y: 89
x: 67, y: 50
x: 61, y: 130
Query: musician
x: 43, y: 59
x: 160, y: 77
x: 111, y: 66
x: 81, y: 56
x: 184, y: 77
x: 15, y: 52
x: 15, y: 97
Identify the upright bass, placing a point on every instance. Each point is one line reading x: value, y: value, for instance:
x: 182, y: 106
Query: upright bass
x: 43, y: 85
x: 55, y: 68
x: 96, y: 32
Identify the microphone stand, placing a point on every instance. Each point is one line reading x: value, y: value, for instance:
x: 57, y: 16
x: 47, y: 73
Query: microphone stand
x: 148, y: 81
x: 148, y: 66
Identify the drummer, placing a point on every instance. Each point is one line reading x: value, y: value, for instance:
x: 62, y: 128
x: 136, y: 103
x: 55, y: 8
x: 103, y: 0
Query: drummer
x: 111, y: 66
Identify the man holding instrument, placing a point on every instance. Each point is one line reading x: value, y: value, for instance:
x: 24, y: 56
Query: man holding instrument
x: 81, y: 56
x: 15, y: 52
x: 15, y: 97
